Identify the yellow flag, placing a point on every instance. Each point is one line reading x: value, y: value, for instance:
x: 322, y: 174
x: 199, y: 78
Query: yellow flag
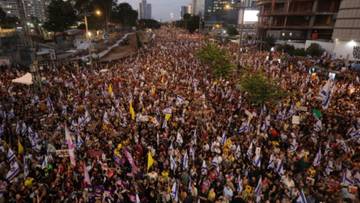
x: 153, y: 90
x: 167, y: 117
x: 110, y: 89
x: 150, y: 161
x: 132, y: 112
x: 20, y: 148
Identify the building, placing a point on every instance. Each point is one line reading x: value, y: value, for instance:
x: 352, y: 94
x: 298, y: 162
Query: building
x: 221, y: 12
x: 198, y: 7
x: 297, y: 19
x: 10, y: 7
x: 31, y: 8
x: 144, y: 10
x: 346, y: 34
x: 185, y: 10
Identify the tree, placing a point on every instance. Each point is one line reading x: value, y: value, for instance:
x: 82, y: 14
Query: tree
x: 61, y: 15
x: 216, y: 58
x: 259, y: 88
x: 149, y: 23
x: 231, y: 30
x: 314, y: 50
x: 2, y: 14
x: 124, y: 14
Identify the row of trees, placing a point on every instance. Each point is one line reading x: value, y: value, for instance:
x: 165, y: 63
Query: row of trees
x: 189, y: 22
x: 64, y: 14
x: 7, y: 21
x: 258, y: 87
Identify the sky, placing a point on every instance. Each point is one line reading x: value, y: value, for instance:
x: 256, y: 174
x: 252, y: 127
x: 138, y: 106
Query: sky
x: 162, y: 9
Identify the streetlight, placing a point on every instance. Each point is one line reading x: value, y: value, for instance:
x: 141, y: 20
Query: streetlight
x: 228, y: 7
x: 98, y: 12
x: 242, y: 12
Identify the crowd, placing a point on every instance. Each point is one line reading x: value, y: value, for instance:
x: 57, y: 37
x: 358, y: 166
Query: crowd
x: 158, y: 127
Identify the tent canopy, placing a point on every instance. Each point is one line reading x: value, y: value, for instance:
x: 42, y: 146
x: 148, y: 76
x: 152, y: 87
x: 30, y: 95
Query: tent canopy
x: 26, y: 79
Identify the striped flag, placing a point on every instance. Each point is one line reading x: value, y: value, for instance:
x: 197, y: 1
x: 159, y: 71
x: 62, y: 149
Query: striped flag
x: 10, y: 155
x: 186, y: 161
x: 258, y: 190
x: 347, y: 178
x: 223, y: 138
x: 249, y: 152
x: 240, y: 187
x: 271, y: 162
x: 175, y: 192
x: 257, y: 158
x: 317, y: 159
x: 329, y: 167
x: 71, y: 146
x: 301, y: 198
x: 86, y: 175
x: 13, y: 172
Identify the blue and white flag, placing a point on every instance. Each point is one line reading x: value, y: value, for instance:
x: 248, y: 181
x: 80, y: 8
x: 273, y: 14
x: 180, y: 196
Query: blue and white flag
x: 223, y: 138
x: 204, y: 168
x: 186, y: 161
x: 175, y: 192
x: 192, y: 153
x: 318, y: 126
x: 280, y: 167
x: 10, y: 155
x: 325, y: 93
x: 179, y: 138
x: 2, y: 129
x: 354, y: 133
x: 49, y: 104
x: 250, y: 150
x: 79, y: 142
x: 257, y: 158
x: 238, y: 152
x: 244, y: 128
x: 45, y: 162
x: 347, y: 178
x: 301, y: 198
x: 106, y: 118
x: 329, y: 168
x: 13, y: 172
x: 26, y: 167
x: 240, y: 186
x: 271, y: 162
x: 317, y: 159
x: 293, y: 146
x: 173, y: 164
x: 258, y: 190
x: 357, y: 178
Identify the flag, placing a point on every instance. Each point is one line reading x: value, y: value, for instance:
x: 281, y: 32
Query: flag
x: 137, y: 199
x: 10, y: 155
x: 240, y: 185
x: 347, y: 178
x: 258, y: 190
x: 106, y: 118
x: 192, y: 153
x: 301, y: 198
x: 357, y: 178
x: 134, y: 168
x: 150, y: 161
x: 20, y: 148
x: 45, y: 162
x: 87, y: 180
x: 186, y: 161
x: 250, y: 151
x: 257, y: 158
x: 13, y: 172
x: 223, y: 138
x: 329, y: 167
x: 172, y: 163
x: 110, y: 90
x: 26, y: 167
x: 2, y: 129
x: 132, y: 112
x: 179, y: 138
x: 280, y: 167
x: 49, y: 104
x: 244, y: 128
x: 293, y: 146
x: 71, y: 146
x: 271, y: 162
x: 203, y: 168
x: 318, y: 126
x: 317, y: 159
x: 175, y: 192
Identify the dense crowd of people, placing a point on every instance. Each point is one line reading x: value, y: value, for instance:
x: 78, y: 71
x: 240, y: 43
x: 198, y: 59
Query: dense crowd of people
x: 158, y: 127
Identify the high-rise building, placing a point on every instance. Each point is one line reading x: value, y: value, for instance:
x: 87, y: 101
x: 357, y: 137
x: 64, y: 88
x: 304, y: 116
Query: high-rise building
x: 30, y: 8
x: 346, y: 34
x: 198, y: 7
x: 221, y: 12
x: 297, y: 19
x: 144, y: 10
x: 183, y: 11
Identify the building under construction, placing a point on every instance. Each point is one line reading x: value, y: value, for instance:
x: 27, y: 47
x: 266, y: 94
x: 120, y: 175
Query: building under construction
x: 297, y: 19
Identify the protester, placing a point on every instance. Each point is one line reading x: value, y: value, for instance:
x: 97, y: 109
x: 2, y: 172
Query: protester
x: 158, y: 127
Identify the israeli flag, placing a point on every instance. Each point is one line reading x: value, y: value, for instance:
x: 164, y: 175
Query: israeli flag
x: 192, y: 153
x: 257, y: 158
x: 293, y: 146
x: 223, y: 138
x: 317, y: 159
x: 204, y: 168
x: 258, y: 190
x: 26, y: 167
x: 238, y: 152
x: 106, y: 118
x: 49, y: 104
x: 249, y: 152
x: 172, y: 163
x: 318, y: 126
x: 301, y: 198
x: 280, y: 167
x: 240, y: 187
x: 2, y: 127
x: 354, y: 133
x: 329, y: 168
x: 186, y: 161
x: 347, y: 178
x: 244, y: 128
x: 175, y: 192
x: 357, y: 178
x: 10, y: 155
x: 13, y: 172
x: 271, y: 162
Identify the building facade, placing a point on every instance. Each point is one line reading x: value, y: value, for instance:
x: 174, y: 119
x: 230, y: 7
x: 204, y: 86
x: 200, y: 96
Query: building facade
x: 145, y: 10
x: 30, y: 8
x: 297, y: 19
x: 346, y: 34
x: 198, y: 7
x: 221, y: 12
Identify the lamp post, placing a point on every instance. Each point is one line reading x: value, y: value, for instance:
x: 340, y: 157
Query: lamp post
x: 88, y: 34
x: 242, y: 12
